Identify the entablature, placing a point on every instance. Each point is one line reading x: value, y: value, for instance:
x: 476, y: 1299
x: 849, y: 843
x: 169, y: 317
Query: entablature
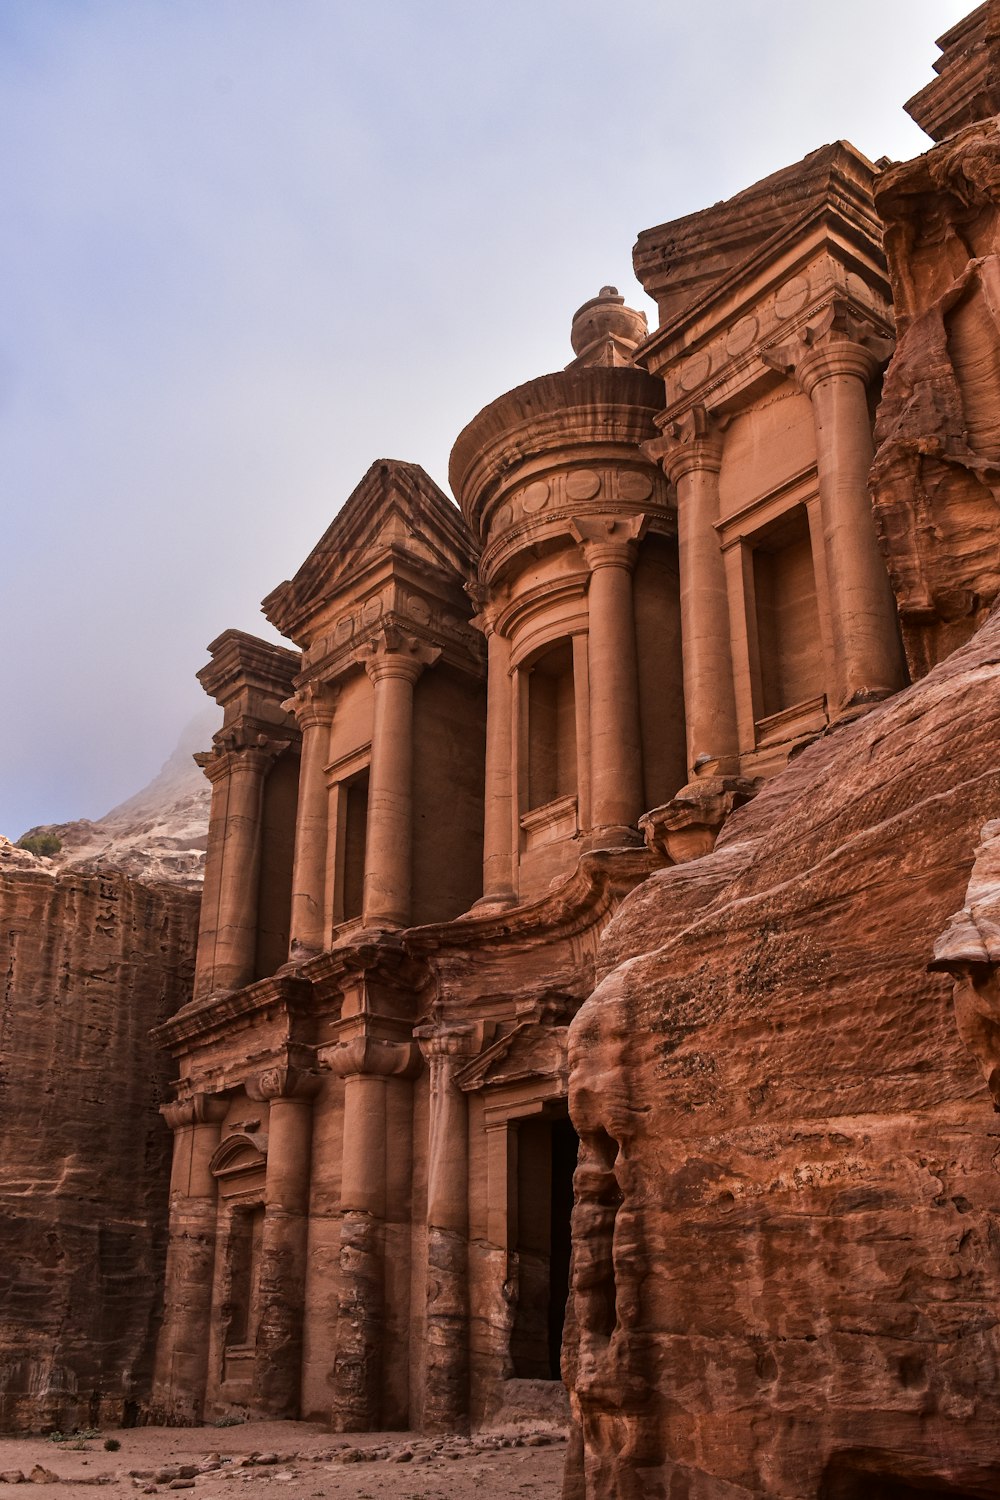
x: 250, y: 679
x: 537, y: 512
x: 718, y: 357
x: 394, y: 593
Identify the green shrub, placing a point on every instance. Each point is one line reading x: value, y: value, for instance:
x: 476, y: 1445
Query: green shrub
x: 111, y: 1445
x: 40, y: 843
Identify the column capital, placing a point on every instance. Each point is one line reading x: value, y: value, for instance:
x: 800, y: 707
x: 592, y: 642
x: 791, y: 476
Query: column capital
x: 438, y: 1043
x: 239, y: 749
x: 195, y: 1109
x: 392, y: 652
x: 692, y: 442
x: 372, y: 1057
x: 488, y: 611
x: 313, y: 704
x: 839, y: 342
x: 609, y: 541
x: 283, y: 1083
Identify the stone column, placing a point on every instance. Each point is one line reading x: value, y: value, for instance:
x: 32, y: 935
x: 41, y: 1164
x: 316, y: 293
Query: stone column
x: 313, y: 707
x: 281, y: 1286
x: 446, y: 1332
x: 691, y: 454
x: 498, y: 840
x: 610, y: 548
x: 834, y: 368
x: 227, y: 935
x: 181, y: 1370
x: 393, y: 661
x: 366, y: 1065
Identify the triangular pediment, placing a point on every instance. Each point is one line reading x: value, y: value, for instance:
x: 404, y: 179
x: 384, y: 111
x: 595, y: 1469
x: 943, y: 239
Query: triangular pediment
x: 396, y: 510
x: 528, y: 1051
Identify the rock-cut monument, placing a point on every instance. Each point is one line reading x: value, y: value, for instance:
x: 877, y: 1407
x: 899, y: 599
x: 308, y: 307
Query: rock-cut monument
x: 596, y: 979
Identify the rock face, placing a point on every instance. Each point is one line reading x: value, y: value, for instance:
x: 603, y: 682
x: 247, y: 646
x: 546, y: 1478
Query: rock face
x: 159, y: 834
x: 936, y: 477
x: 786, y: 1265
x: 91, y: 959
x: 89, y: 964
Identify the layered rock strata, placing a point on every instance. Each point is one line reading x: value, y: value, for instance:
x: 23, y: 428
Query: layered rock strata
x: 785, y: 1237
x: 88, y: 964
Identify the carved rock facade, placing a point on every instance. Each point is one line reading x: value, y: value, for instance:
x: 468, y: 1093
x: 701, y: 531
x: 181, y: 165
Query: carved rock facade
x: 426, y: 845
x: 664, y: 577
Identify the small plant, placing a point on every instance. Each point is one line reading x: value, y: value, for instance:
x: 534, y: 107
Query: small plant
x: 40, y: 843
x: 231, y: 1419
x: 111, y: 1445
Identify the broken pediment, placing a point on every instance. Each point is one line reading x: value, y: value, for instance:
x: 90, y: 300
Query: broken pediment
x: 682, y: 262
x: 396, y: 511
x: 528, y: 1051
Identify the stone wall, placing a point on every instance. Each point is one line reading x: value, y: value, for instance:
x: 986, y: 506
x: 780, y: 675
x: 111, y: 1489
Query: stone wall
x: 88, y: 964
x: 787, y: 1243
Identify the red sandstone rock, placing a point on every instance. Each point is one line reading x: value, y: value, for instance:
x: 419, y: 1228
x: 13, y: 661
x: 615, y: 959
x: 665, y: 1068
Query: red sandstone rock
x: 90, y: 963
x: 785, y: 1233
x: 936, y: 476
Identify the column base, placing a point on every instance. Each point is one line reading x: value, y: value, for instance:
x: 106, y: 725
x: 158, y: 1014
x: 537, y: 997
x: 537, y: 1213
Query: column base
x: 613, y: 836
x: 486, y: 905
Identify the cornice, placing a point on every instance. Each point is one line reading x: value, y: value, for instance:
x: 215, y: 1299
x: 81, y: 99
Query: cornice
x: 600, y: 878
x: 240, y: 660
x: 201, y: 1019
x: 742, y: 290
x: 551, y: 418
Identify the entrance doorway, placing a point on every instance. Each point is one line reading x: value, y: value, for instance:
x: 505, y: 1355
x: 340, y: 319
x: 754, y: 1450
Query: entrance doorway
x: 546, y: 1160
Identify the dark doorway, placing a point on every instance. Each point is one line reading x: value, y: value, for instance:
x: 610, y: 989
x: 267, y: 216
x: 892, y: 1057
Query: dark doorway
x: 546, y: 1157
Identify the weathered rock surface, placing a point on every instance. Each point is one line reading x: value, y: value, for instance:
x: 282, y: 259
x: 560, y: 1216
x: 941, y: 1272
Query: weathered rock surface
x: 159, y: 834
x: 787, y: 1251
x: 88, y: 964
x: 936, y: 476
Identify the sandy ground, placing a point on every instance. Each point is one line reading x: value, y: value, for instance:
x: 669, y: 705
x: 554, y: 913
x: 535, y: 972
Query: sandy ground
x: 292, y: 1461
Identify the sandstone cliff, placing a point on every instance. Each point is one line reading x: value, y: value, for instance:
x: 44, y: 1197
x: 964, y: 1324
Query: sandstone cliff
x: 91, y: 959
x: 89, y: 964
x: 787, y: 1252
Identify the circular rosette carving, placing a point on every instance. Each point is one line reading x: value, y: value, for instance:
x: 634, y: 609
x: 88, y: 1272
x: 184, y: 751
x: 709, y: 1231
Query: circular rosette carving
x: 634, y: 485
x: 583, y: 484
x: 535, y: 497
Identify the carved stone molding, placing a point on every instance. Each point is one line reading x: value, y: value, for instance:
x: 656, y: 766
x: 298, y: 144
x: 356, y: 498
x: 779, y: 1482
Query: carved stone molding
x: 313, y: 704
x: 693, y: 441
x: 238, y: 749
x: 195, y: 1109
x: 392, y: 652
x: 609, y: 541
x: 372, y: 1057
x: 440, y: 1043
x: 839, y: 342
x: 285, y: 1082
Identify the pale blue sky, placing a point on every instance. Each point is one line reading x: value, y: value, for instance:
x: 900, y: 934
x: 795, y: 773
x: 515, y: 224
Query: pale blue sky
x: 249, y: 246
